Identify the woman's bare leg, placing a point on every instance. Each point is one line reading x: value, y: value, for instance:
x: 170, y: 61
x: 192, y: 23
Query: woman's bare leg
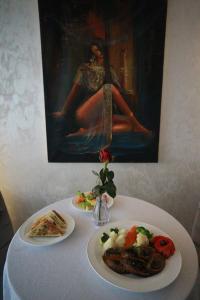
x: 120, y: 124
x: 88, y: 114
x: 123, y: 106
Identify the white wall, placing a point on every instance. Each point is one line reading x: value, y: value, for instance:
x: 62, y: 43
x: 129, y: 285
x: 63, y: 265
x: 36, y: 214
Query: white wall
x: 28, y: 181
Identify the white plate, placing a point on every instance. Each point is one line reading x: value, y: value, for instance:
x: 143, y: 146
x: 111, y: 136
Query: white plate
x: 45, y: 241
x: 132, y: 283
x: 110, y: 202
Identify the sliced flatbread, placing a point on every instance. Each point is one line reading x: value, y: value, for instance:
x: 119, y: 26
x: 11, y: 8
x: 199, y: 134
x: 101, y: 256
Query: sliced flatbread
x: 49, y: 225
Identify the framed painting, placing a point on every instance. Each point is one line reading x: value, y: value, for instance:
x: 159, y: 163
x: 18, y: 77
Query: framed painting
x: 102, y: 70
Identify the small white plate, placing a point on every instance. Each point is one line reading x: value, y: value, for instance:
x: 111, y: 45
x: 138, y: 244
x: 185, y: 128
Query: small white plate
x: 132, y: 283
x: 110, y: 202
x: 45, y: 241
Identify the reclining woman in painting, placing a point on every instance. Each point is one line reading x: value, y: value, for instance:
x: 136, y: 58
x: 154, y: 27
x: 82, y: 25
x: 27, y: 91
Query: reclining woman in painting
x: 94, y: 114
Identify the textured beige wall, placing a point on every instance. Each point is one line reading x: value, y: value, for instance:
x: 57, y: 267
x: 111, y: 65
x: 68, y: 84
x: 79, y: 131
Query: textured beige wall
x: 29, y: 182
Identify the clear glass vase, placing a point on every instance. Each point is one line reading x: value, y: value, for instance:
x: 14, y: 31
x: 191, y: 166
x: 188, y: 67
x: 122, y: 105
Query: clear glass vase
x: 101, y: 212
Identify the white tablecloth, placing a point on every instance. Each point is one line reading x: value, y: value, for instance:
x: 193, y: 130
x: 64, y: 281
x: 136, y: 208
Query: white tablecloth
x: 62, y: 271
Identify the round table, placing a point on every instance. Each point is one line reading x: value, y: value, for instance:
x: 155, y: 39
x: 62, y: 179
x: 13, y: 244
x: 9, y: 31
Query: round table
x: 63, y: 271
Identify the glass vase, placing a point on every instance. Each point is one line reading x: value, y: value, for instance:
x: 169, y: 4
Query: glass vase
x: 101, y: 212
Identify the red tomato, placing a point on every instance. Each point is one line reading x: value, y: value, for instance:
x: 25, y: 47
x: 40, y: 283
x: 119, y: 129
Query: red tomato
x: 164, y: 245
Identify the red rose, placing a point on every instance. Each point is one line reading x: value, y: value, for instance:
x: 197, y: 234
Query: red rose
x: 105, y: 156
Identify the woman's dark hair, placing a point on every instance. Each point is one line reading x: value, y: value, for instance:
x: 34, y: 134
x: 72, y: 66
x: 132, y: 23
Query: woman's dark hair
x: 96, y: 42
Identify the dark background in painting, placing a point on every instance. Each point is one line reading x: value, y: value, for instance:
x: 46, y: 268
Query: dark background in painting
x: 64, y: 48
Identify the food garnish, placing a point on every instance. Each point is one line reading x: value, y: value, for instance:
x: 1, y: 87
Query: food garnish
x: 144, y: 231
x: 85, y: 201
x: 104, y: 237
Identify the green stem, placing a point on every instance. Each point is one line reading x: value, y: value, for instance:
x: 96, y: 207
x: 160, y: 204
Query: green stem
x: 106, y: 163
x: 99, y: 208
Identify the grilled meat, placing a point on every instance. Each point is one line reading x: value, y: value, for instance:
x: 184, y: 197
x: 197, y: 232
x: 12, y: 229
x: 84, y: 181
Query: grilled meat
x: 142, y: 261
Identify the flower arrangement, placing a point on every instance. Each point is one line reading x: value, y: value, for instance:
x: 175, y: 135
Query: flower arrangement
x: 105, y: 176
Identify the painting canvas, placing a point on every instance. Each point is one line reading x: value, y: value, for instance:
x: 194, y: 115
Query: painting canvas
x: 102, y: 71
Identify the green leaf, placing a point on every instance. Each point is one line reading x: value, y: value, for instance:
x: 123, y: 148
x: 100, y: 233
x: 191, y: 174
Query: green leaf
x: 95, y: 173
x: 82, y: 205
x: 104, y: 237
x: 144, y: 231
x: 80, y: 194
x: 103, y: 189
x: 110, y: 175
x: 89, y: 196
x: 102, y: 176
x: 110, y: 188
x: 98, y: 190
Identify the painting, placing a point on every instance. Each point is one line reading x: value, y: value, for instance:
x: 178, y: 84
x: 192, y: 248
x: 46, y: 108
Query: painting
x: 102, y: 73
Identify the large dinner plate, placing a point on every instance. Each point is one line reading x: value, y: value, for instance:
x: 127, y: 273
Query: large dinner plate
x: 132, y: 283
x: 110, y: 202
x: 45, y: 241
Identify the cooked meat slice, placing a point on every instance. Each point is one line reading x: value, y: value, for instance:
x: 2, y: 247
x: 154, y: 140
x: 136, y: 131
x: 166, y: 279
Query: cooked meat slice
x: 113, y: 251
x: 156, y: 263
x: 136, y: 266
x: 142, y: 262
x: 129, y: 253
x: 145, y: 252
x: 113, y: 259
x: 115, y: 265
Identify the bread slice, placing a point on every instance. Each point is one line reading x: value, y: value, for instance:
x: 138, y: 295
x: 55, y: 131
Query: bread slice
x: 58, y: 219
